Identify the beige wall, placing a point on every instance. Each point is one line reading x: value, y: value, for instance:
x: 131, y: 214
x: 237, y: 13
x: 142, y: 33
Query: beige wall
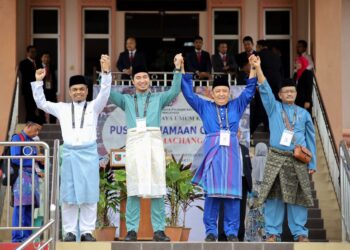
x: 7, y: 61
x: 328, y: 60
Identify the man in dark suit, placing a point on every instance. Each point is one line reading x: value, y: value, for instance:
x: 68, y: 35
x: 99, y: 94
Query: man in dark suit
x: 246, y: 187
x: 130, y: 58
x: 27, y: 69
x: 242, y: 58
x: 222, y: 61
x: 198, y: 60
x: 50, y: 81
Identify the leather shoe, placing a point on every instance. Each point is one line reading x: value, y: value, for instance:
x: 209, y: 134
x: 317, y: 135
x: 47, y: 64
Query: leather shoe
x: 131, y: 236
x: 210, y: 238
x: 160, y: 236
x: 232, y: 238
x: 87, y: 237
x: 70, y: 237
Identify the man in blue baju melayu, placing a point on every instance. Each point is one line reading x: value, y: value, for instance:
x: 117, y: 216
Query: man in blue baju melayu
x: 80, y: 161
x: 219, y: 169
x: 286, y: 179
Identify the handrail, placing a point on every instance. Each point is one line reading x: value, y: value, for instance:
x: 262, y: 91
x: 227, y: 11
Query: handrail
x: 327, y: 139
x: 345, y: 189
x: 13, y: 114
x: 54, y: 215
x: 36, y: 234
x: 162, y: 77
x: 325, y: 115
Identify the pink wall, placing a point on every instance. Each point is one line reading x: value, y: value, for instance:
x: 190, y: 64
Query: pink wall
x: 328, y: 57
x: 7, y: 61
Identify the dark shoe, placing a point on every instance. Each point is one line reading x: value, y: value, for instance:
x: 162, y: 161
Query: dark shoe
x: 160, y: 236
x: 87, y: 237
x: 302, y: 238
x: 70, y: 237
x: 131, y: 236
x: 232, y: 238
x: 210, y: 238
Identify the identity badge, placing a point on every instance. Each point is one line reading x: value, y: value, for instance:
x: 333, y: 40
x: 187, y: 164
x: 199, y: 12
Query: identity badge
x: 141, y: 125
x: 287, y: 137
x: 225, y: 137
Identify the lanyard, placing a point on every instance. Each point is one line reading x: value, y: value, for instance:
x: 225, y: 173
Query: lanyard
x: 286, y: 119
x: 145, y: 107
x: 82, y: 116
x: 220, y: 122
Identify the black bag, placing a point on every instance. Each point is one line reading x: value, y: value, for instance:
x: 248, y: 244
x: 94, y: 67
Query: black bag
x: 14, y: 169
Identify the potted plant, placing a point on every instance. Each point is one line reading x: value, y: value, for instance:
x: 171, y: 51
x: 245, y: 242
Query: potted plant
x: 180, y: 195
x: 112, y: 191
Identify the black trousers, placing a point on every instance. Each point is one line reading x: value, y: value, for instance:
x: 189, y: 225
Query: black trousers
x: 241, y: 230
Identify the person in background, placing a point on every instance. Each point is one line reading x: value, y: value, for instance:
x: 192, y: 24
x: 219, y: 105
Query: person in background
x: 50, y: 81
x: 23, y: 202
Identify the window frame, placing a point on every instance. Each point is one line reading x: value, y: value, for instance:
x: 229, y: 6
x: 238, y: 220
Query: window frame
x: 95, y: 36
x: 227, y: 36
x: 49, y: 36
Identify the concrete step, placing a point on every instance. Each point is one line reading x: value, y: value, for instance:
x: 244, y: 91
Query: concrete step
x: 317, y: 234
x: 315, y: 223
x: 314, y: 213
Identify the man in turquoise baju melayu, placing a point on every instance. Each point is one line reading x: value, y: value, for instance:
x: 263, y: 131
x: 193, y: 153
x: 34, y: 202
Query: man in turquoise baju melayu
x: 145, y: 157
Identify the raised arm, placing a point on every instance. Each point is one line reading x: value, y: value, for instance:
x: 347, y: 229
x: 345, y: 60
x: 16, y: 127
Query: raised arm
x: 267, y: 96
x: 248, y: 93
x: 106, y: 80
x: 168, y: 96
x: 39, y: 97
x: 192, y: 99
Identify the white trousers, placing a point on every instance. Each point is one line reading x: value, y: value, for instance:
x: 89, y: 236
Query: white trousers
x: 87, y: 218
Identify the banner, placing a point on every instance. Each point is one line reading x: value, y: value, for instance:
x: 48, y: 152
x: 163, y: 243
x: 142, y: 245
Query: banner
x: 181, y: 127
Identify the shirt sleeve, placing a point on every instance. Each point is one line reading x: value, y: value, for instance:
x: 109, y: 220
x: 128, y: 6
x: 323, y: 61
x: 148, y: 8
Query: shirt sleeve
x: 118, y: 99
x: 247, y: 94
x: 168, y: 96
x: 40, y: 100
x: 192, y: 99
x: 102, y: 98
x: 267, y: 97
x: 310, y: 140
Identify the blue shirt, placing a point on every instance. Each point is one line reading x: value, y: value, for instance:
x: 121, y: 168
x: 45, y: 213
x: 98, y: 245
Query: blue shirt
x: 207, y: 109
x: 304, y: 131
x: 20, y: 150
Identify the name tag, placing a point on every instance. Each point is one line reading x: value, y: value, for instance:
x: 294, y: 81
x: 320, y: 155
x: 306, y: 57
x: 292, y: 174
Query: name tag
x: 77, y: 138
x: 286, y: 138
x: 225, y: 138
x: 141, y: 125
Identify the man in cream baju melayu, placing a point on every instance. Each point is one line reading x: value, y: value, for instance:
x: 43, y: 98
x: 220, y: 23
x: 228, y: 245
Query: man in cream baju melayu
x: 145, y: 157
x: 79, y: 187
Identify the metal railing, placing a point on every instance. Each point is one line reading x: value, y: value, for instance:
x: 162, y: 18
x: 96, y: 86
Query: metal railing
x: 164, y: 79
x: 327, y: 138
x: 345, y: 189
x: 51, y: 226
x: 8, y: 159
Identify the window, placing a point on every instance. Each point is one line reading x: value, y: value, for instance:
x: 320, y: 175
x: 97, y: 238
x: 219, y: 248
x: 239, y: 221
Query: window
x: 226, y: 28
x: 45, y: 35
x: 96, y: 38
x: 277, y: 30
